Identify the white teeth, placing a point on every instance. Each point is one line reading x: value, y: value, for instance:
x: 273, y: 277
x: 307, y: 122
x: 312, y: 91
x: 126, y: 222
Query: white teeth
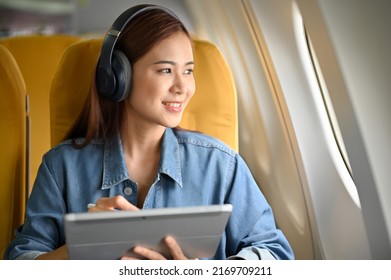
x: 172, y: 104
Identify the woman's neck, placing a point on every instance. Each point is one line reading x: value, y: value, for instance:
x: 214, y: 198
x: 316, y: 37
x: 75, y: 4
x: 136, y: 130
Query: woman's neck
x: 141, y: 141
x: 142, y: 148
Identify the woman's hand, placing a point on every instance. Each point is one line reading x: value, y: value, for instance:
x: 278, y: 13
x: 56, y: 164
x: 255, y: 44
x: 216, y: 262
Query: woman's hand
x: 112, y: 203
x: 145, y: 253
x: 120, y: 203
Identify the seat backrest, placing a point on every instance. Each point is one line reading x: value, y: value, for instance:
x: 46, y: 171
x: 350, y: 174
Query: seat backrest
x: 12, y: 147
x: 38, y: 57
x: 212, y: 110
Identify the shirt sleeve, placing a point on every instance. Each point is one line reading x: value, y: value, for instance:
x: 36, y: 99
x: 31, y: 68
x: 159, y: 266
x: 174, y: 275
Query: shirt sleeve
x: 253, y: 253
x: 42, y: 230
x: 252, y: 231
x: 31, y: 255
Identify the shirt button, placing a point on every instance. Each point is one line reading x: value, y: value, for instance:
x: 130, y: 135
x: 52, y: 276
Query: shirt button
x: 128, y: 191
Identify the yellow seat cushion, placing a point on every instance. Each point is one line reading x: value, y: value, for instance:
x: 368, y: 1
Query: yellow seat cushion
x: 38, y: 57
x: 213, y: 108
x: 12, y: 147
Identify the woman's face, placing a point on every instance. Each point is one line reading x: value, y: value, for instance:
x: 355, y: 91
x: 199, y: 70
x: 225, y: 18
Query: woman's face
x: 163, y: 82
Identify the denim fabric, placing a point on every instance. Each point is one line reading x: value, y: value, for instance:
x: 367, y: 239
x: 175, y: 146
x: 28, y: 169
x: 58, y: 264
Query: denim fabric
x: 194, y: 169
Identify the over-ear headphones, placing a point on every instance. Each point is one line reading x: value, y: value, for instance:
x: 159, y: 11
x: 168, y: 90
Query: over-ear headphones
x: 114, y: 71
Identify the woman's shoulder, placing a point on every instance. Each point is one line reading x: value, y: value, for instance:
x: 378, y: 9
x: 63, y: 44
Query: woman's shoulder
x: 201, y: 140
x: 72, y: 146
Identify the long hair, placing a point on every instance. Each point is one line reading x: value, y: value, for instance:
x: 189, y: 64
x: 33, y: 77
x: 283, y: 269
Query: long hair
x: 102, y: 118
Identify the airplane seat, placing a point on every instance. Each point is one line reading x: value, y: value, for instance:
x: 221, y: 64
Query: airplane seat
x: 13, y: 190
x: 212, y: 110
x: 38, y: 57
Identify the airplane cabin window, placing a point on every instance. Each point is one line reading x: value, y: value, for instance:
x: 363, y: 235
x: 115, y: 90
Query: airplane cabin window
x: 328, y: 104
x: 332, y: 120
x: 331, y: 201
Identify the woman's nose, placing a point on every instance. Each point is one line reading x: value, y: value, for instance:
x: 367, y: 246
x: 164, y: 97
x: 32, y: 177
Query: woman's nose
x: 178, y: 85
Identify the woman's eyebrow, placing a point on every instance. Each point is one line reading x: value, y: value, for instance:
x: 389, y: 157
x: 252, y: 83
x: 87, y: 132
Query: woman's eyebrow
x: 172, y: 62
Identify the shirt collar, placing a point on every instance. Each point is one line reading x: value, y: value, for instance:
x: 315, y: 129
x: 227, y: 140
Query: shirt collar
x: 114, y: 166
x: 170, y: 161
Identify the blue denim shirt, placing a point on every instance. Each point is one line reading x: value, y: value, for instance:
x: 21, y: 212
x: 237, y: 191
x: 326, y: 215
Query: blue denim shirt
x: 194, y: 169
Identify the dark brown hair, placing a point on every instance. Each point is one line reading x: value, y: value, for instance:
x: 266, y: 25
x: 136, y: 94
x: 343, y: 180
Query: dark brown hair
x: 101, y: 117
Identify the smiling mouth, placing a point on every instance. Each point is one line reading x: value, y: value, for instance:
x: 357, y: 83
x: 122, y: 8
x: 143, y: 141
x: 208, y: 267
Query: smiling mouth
x: 173, y: 104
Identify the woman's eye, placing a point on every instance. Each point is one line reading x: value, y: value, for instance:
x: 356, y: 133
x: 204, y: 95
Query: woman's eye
x: 165, y: 71
x: 188, y: 71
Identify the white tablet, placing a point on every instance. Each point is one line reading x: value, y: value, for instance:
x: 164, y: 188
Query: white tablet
x: 110, y: 235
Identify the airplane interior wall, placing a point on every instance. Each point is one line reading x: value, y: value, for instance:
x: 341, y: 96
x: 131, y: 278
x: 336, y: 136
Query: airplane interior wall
x: 358, y: 50
x: 96, y: 16
x: 321, y: 195
x: 265, y: 143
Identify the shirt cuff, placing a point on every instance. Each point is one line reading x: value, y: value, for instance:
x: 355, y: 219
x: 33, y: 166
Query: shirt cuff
x: 253, y: 253
x: 31, y: 255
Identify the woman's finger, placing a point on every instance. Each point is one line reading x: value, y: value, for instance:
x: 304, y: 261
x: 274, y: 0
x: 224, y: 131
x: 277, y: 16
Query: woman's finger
x: 174, y: 248
x: 148, y: 253
x: 115, y: 203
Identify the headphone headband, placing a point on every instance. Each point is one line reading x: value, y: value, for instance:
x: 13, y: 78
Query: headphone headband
x: 113, y: 83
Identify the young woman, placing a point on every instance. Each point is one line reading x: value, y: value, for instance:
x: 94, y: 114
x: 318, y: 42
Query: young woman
x: 127, y: 153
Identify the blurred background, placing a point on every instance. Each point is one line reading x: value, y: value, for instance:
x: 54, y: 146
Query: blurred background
x: 80, y: 17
